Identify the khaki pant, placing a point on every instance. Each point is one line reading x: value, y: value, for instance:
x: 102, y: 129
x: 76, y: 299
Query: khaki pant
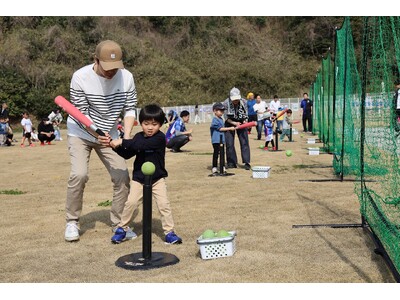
x: 159, y: 193
x: 79, y: 151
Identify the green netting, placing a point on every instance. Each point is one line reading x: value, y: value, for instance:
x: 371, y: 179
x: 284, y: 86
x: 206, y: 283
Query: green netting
x: 356, y: 119
x: 380, y: 201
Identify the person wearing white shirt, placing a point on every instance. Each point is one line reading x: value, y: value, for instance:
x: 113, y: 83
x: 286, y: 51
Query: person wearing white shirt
x: 260, y: 107
x: 274, y: 105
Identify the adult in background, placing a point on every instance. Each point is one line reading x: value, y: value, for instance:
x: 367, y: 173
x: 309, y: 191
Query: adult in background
x: 56, y: 118
x: 46, y: 131
x: 274, y: 105
x: 396, y: 106
x: 306, y: 104
x: 235, y: 115
x: 177, y: 135
x: 102, y: 91
x: 4, y: 112
x: 260, y: 107
x: 250, y: 110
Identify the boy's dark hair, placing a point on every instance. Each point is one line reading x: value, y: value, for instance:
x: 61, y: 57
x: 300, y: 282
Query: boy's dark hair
x: 276, y: 96
x: 152, y: 112
x: 184, y: 113
x: 289, y: 111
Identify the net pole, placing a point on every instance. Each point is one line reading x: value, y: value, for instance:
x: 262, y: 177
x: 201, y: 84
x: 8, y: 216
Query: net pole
x: 344, y: 99
x: 362, y: 132
x: 334, y: 92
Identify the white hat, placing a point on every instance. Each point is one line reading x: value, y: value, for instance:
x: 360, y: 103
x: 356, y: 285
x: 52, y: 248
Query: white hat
x: 235, y: 94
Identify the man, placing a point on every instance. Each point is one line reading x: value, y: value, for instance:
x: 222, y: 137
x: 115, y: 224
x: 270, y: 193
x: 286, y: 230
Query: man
x: 177, y: 135
x: 306, y: 104
x: 252, y: 115
x: 396, y: 106
x: 274, y: 105
x: 235, y: 115
x: 101, y: 91
x: 4, y: 112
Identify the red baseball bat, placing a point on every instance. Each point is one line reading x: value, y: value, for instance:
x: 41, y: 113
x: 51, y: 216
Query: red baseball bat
x: 76, y: 113
x: 246, y: 125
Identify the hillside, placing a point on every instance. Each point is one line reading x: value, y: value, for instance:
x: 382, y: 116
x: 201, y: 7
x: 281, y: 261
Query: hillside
x: 175, y: 60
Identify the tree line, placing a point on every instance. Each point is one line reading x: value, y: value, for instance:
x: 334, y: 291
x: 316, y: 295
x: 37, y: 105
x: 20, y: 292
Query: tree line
x: 175, y: 60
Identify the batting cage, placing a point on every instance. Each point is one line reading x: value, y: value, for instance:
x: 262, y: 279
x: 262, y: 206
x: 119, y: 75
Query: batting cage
x: 357, y: 117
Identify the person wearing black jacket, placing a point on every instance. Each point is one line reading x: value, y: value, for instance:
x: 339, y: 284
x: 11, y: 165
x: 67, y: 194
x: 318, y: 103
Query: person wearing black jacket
x: 45, y: 132
x: 307, y: 106
x: 148, y: 146
x: 396, y: 106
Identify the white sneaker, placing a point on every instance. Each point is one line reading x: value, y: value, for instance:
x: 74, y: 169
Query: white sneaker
x: 72, y: 232
x: 214, y: 170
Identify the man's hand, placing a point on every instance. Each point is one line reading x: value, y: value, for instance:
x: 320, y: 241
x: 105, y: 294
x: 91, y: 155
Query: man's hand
x: 104, y: 140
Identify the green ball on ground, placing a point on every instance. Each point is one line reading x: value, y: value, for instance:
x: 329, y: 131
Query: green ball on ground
x: 289, y: 153
x: 222, y: 233
x: 261, y: 146
x: 208, y: 234
x: 148, y: 168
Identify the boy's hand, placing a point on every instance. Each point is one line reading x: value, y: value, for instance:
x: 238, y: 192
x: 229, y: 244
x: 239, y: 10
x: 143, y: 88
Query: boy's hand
x: 115, y: 143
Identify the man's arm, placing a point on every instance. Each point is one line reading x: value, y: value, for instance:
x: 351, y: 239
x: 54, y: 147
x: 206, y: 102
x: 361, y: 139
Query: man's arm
x: 129, y: 120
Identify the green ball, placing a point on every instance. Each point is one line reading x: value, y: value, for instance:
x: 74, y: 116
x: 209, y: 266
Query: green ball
x: 261, y: 146
x: 301, y: 135
x: 289, y: 153
x: 208, y: 234
x: 222, y: 233
x: 148, y: 168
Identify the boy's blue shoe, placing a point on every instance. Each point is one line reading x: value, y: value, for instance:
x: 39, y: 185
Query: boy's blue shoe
x: 172, y: 238
x: 119, y: 236
x: 129, y: 234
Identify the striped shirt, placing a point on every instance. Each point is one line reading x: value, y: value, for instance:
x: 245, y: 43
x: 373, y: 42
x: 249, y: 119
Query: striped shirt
x: 101, y: 100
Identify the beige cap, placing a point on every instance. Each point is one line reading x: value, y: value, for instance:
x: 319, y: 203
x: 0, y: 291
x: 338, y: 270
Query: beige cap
x: 109, y: 54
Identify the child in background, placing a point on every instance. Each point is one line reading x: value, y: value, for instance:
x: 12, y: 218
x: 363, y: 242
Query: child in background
x: 279, y: 121
x: 27, y: 133
x: 216, y: 130
x: 287, y: 122
x: 148, y: 145
x: 269, y: 131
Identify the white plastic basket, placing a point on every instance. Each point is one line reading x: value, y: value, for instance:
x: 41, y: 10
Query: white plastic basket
x: 217, y: 247
x: 261, y: 171
x: 313, y: 151
x: 311, y: 141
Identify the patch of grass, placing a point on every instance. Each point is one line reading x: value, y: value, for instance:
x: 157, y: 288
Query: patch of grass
x: 300, y: 166
x: 12, y: 192
x: 105, y: 203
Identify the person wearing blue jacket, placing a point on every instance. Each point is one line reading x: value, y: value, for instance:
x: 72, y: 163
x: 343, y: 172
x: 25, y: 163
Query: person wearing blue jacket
x: 217, y: 133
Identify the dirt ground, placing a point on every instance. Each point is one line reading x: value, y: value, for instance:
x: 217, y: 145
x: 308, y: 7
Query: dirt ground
x: 261, y: 211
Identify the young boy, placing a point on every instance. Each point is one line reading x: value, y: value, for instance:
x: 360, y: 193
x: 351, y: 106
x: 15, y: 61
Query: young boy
x: 27, y: 125
x: 287, y: 122
x: 269, y: 131
x: 216, y: 130
x: 148, y: 145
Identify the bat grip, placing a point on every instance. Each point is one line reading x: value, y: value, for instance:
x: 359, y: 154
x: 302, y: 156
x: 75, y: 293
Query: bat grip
x: 100, y: 132
x: 97, y: 130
